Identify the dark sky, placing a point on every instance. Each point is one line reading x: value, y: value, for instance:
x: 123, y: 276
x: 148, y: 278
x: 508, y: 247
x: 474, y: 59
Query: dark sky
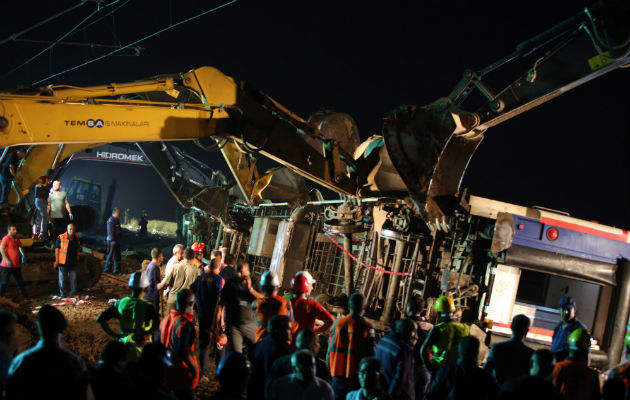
x: 366, y: 58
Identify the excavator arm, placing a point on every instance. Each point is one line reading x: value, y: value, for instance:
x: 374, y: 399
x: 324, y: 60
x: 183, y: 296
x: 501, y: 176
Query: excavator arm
x: 63, y: 120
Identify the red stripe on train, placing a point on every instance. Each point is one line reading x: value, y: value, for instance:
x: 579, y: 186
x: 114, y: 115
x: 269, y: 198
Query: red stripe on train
x: 622, y: 237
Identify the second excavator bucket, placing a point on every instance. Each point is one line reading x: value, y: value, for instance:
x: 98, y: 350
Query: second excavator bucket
x: 430, y: 147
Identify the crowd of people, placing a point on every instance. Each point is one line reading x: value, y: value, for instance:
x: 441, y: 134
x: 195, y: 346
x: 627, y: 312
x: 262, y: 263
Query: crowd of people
x: 271, y: 346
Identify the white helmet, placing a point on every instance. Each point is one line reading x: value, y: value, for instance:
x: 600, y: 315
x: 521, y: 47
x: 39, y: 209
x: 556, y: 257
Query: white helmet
x: 308, y: 276
x: 139, y: 280
x: 269, y: 279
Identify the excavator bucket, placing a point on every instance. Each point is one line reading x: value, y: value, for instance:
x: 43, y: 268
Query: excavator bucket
x: 430, y: 147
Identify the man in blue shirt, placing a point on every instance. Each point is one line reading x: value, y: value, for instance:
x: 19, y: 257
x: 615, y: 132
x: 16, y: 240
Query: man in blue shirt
x: 562, y: 331
x: 207, y: 288
x: 395, y: 352
x: 153, y: 274
x: 114, y: 234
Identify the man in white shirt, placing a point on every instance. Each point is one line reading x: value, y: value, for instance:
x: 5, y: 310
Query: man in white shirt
x: 178, y: 255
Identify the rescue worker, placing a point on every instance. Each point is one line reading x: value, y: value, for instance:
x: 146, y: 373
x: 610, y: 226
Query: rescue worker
x: 12, y: 261
x: 442, y: 341
x: 306, y: 311
x: 562, y: 331
x: 352, y: 339
x: 622, y: 372
x: 114, y: 235
x: 207, y: 288
x: 198, y: 248
x: 57, y: 206
x: 464, y: 379
x: 415, y: 311
x: 511, y: 358
x: 137, y: 318
x: 395, y: 352
x: 572, y: 377
x: 67, y: 250
x: 180, y: 277
x: 178, y: 334
x: 8, y: 173
x: 271, y: 304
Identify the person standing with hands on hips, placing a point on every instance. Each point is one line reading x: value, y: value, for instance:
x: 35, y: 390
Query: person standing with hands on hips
x: 114, y: 234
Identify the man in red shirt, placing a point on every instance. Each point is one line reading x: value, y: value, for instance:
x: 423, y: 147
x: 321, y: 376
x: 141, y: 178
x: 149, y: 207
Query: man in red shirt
x: 306, y: 311
x: 12, y: 260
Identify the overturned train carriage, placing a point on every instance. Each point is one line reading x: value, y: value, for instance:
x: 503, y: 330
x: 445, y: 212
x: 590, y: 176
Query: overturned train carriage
x: 497, y: 260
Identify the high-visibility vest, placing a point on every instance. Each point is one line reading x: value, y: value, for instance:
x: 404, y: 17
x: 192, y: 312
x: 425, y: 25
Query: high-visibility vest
x: 63, y: 250
x: 445, y: 351
x: 348, y: 345
x: 266, y: 308
x: 179, y: 376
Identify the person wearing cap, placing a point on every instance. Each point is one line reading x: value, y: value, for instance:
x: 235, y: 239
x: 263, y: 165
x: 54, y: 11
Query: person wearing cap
x: 306, y: 311
x: 573, y: 377
x: 67, y: 250
x: 137, y: 318
x: 562, y: 331
x: 271, y: 304
x: 48, y: 370
x: 443, y: 339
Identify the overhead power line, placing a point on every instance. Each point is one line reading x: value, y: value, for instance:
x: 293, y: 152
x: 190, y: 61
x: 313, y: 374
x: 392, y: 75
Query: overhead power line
x: 137, y: 41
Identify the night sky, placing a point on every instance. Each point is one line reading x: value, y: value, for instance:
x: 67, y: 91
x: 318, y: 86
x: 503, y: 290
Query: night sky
x: 366, y: 58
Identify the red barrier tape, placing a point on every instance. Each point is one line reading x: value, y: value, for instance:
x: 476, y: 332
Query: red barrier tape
x: 364, y: 264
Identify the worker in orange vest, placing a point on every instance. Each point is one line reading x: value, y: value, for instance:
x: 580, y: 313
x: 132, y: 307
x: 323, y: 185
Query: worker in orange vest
x: 352, y: 339
x: 270, y: 305
x: 178, y: 333
x: 67, y: 249
x: 572, y: 377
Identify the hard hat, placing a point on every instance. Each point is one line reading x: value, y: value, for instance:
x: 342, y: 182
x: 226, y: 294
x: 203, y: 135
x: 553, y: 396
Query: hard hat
x: 566, y: 301
x: 627, y: 338
x: 444, y: 305
x: 222, y: 339
x: 269, y: 279
x: 308, y: 276
x: 580, y: 339
x: 138, y: 280
x: 300, y: 283
x: 198, y: 247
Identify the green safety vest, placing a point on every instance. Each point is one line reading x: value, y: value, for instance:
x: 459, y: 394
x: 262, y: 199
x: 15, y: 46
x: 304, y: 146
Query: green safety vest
x: 445, y: 351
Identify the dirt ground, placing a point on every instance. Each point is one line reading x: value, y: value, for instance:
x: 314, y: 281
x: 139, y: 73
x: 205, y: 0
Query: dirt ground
x: 83, y: 336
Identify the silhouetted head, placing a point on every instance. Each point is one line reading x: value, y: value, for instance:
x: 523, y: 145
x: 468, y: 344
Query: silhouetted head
x: 370, y: 371
x: 520, y: 326
x: 406, y: 330
x: 415, y: 306
x: 279, y: 328
x: 307, y: 339
x: 355, y: 304
x: 7, y: 328
x: 233, y: 373
x: 115, y: 354
x: 303, y: 363
x: 541, y: 363
x: 185, y: 301
x: 469, y: 349
x: 50, y: 322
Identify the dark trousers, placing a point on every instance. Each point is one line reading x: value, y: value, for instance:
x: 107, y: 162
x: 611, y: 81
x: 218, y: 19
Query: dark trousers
x: 113, y: 256
x: 239, y: 335
x: 341, y: 386
x: 17, y: 276
x: 59, y: 226
x: 5, y: 184
x: 205, y: 329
